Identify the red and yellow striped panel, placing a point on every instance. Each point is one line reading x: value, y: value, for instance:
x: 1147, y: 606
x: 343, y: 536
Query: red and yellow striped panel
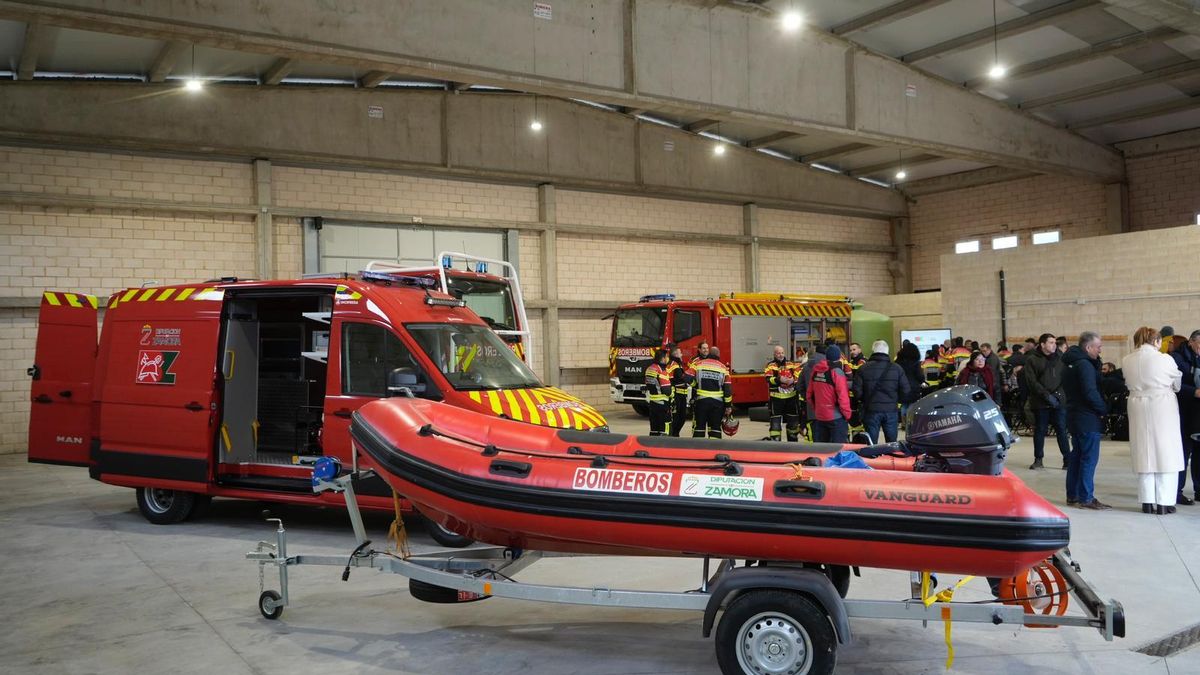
x: 816, y: 310
x: 518, y: 348
x: 174, y: 294
x: 545, y: 406
x: 59, y: 299
x: 343, y: 292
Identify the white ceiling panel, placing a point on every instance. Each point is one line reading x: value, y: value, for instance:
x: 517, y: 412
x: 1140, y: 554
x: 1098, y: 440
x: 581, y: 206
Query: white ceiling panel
x: 1139, y: 21
x: 1117, y: 102
x: 77, y: 51
x: 1034, y: 45
x: 926, y: 29
x: 1067, y: 79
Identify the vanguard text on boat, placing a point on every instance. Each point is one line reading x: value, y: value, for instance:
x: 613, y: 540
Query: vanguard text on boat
x: 939, y: 501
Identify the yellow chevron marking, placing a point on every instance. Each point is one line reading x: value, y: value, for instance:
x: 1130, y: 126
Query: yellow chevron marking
x: 147, y: 294
x: 184, y: 293
x: 475, y: 396
x: 129, y: 295
x: 165, y: 295
x: 93, y: 301
x: 72, y: 300
x: 494, y: 400
x: 225, y: 437
x: 534, y: 415
x: 51, y: 298
x: 514, y: 406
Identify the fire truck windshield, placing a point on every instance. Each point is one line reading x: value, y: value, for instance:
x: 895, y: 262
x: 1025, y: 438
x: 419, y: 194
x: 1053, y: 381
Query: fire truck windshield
x: 491, y: 300
x: 639, y: 327
x: 472, y: 357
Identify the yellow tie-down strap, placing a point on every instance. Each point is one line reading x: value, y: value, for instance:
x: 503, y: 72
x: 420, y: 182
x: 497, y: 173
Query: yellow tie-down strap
x: 945, y: 595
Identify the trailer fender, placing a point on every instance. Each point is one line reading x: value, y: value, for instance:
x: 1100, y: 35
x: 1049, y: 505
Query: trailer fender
x: 812, y: 583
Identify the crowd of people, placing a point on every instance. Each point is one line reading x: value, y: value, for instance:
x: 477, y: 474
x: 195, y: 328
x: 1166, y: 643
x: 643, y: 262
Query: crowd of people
x: 1044, y: 383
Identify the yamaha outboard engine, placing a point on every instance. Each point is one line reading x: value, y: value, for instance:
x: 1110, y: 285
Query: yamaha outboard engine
x: 958, y: 430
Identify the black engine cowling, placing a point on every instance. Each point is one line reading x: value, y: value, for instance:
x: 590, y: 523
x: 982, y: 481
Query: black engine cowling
x: 958, y: 430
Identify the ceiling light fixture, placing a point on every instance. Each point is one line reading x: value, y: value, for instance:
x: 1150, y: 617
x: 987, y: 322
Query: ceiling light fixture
x: 792, y: 20
x: 997, y: 71
x: 535, y: 125
x: 901, y: 174
x: 193, y: 83
x: 718, y: 148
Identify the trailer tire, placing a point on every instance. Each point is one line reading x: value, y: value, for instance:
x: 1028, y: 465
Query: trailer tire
x: 839, y: 575
x: 641, y: 409
x: 275, y: 611
x: 445, y: 537
x: 775, y: 631
x: 440, y: 595
x: 165, y: 507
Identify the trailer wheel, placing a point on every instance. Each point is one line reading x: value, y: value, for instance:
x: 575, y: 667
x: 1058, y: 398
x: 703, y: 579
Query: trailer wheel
x: 776, y: 632
x: 839, y: 575
x: 447, y: 538
x: 641, y: 409
x: 165, y: 507
x: 267, y: 605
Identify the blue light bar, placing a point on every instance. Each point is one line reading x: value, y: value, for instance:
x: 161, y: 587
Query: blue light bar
x: 481, y: 267
x: 419, y: 282
x: 661, y: 297
x: 446, y: 262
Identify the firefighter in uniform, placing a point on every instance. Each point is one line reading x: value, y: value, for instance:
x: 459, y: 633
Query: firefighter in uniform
x: 713, y: 395
x: 682, y: 389
x: 659, y: 393
x: 784, y: 403
x: 931, y: 369
x: 855, y: 358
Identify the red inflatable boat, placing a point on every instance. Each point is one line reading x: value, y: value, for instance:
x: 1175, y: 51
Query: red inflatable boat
x: 933, y: 504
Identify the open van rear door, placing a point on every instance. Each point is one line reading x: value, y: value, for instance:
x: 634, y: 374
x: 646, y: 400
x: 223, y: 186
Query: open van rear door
x: 63, y: 372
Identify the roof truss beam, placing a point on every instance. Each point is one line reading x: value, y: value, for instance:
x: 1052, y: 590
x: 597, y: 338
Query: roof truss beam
x: 835, y: 153
x: 164, y: 63
x: 37, y: 34
x: 701, y: 125
x: 1154, y: 110
x: 770, y: 139
x: 1113, y: 47
x: 374, y: 79
x: 885, y: 14
x: 1007, y: 29
x: 1147, y: 78
x: 897, y: 164
x: 278, y: 70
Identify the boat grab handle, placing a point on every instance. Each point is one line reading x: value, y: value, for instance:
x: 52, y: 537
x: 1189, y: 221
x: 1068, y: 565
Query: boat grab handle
x: 504, y: 467
x: 802, y: 489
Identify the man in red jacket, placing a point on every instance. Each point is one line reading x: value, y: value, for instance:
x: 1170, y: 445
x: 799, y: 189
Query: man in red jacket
x: 828, y: 396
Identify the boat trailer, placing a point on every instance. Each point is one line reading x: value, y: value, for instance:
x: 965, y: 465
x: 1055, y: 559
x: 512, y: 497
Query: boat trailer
x: 778, y: 617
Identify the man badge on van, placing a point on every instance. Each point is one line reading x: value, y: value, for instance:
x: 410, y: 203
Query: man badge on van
x: 154, y: 367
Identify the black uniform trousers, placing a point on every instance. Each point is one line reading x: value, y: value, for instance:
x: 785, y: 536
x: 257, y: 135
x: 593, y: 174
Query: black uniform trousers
x: 709, y: 413
x: 660, y: 417
x: 785, y: 411
x: 679, y: 413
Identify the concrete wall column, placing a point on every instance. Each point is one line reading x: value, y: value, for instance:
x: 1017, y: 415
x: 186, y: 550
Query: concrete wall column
x: 549, y: 254
x: 750, y: 229
x: 901, y: 265
x: 1116, y: 200
x: 264, y: 228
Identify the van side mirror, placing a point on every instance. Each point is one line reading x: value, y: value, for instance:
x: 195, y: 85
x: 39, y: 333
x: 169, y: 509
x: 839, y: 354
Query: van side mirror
x: 404, y: 382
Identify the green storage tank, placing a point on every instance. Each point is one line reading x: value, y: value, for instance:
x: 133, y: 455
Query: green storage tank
x: 867, y: 327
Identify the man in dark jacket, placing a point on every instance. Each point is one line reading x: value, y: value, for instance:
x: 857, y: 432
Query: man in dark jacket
x: 1043, y: 384
x: 1187, y: 359
x: 881, y: 386
x: 1085, y: 408
x: 992, y: 361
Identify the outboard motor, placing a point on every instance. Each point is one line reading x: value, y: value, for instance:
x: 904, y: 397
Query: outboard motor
x: 958, y: 430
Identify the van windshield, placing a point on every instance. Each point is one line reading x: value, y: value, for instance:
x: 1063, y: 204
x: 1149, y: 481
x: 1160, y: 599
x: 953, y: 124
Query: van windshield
x: 491, y: 300
x: 472, y: 357
x: 640, y: 327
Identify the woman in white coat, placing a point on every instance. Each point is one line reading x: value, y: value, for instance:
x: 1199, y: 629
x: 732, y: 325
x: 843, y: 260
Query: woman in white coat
x: 1154, y: 441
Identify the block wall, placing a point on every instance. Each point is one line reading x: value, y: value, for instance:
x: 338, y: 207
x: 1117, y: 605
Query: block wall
x: 1111, y: 284
x: 151, y: 228
x: 1164, y: 189
x: 1074, y: 207
x: 909, y: 311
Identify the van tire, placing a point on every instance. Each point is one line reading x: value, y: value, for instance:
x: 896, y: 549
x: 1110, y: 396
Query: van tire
x: 200, y: 507
x: 165, y: 507
x: 445, y: 537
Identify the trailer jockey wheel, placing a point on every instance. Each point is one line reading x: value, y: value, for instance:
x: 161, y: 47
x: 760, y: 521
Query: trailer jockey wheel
x: 775, y: 632
x: 1040, y: 590
x: 269, y: 604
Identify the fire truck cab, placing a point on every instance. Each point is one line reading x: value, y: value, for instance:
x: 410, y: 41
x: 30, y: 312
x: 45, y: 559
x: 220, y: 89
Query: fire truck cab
x: 745, y: 326
x: 230, y: 388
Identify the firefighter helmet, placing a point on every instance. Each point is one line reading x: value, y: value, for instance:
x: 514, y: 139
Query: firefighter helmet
x: 730, y: 425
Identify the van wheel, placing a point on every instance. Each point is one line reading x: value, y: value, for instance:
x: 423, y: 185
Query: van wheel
x: 778, y: 632
x: 165, y: 507
x: 200, y: 507
x: 447, y: 538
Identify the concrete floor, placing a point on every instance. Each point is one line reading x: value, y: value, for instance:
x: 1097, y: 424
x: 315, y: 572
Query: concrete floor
x: 91, y: 587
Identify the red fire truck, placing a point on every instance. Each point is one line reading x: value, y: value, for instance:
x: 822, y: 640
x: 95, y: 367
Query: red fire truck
x: 229, y: 388
x: 746, y: 327
x: 496, y: 298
